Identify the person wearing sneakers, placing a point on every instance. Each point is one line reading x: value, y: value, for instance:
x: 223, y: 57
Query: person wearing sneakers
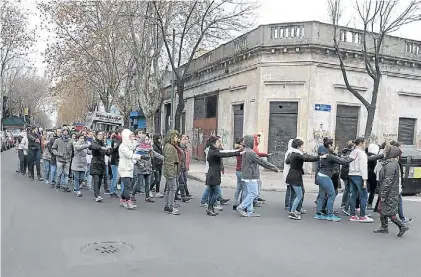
x: 325, y: 178
x: 213, y: 178
x: 127, y: 159
x: 171, y: 171
x: 157, y: 165
x: 389, y: 177
x: 184, y: 164
x: 79, y: 163
x: 241, y: 190
x: 250, y: 174
x: 358, y: 175
x: 62, y: 150
x: 287, y: 202
x: 296, y: 160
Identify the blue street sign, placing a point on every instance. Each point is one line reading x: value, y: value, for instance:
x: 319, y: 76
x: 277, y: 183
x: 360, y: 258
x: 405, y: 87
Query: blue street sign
x: 323, y: 107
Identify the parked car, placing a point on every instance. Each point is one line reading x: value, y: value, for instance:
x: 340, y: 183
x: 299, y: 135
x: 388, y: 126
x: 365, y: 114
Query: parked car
x: 411, y: 162
x: 4, y: 142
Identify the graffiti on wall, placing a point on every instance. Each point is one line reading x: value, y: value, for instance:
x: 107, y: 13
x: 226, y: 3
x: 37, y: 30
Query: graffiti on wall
x: 317, y: 139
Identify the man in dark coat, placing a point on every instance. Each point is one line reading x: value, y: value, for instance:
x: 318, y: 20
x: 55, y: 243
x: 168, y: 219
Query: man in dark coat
x: 389, y: 191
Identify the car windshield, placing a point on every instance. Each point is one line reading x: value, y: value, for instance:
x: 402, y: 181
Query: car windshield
x: 15, y: 132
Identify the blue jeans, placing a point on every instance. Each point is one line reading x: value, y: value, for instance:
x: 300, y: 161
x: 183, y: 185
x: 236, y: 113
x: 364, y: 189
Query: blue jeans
x: 53, y: 170
x: 78, y: 177
x: 241, y: 190
x: 292, y: 195
x: 298, y: 197
x: 345, y: 196
x: 252, y: 192
x: 205, y: 196
x: 46, y: 170
x: 325, y: 188
x: 356, y: 183
x: 114, y: 170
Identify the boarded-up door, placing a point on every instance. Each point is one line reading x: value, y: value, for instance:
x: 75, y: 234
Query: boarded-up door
x: 406, y: 131
x: 238, y: 121
x: 282, y: 128
x: 346, y: 125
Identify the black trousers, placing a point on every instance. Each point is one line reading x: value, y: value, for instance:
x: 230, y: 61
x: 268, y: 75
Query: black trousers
x: 34, y: 159
x: 126, y: 188
x: 372, y: 187
x: 23, y: 161
x: 157, y: 179
x: 97, y: 179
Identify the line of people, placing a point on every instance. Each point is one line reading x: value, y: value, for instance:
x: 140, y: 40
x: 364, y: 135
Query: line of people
x: 364, y: 171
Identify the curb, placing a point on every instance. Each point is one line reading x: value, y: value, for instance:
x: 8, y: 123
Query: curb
x: 202, y: 180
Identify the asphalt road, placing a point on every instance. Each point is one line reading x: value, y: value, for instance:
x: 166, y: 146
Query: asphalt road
x: 44, y: 232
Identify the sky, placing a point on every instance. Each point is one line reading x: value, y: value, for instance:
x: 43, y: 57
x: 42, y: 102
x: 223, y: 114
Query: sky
x: 269, y: 11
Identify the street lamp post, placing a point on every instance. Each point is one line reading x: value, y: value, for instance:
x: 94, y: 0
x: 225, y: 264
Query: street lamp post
x: 172, y: 82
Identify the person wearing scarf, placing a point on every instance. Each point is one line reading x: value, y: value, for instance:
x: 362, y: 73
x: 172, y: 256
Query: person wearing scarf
x: 62, y: 150
x: 389, y: 176
x: 144, y: 166
x: 182, y: 180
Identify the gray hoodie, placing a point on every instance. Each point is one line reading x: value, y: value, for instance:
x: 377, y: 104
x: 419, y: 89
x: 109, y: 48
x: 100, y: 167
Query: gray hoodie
x: 251, y: 161
x: 62, y: 149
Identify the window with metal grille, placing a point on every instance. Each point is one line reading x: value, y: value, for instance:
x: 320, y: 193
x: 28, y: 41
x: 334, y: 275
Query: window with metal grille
x: 406, y: 132
x: 205, y: 107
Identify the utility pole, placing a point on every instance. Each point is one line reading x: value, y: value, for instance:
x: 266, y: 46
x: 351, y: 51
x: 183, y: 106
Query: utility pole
x: 172, y: 82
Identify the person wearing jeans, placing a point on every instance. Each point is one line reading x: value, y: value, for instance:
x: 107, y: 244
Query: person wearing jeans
x: 358, y: 175
x: 294, y: 178
x: 171, y: 171
x: 250, y: 174
x: 78, y: 166
x: 62, y: 150
x: 23, y: 153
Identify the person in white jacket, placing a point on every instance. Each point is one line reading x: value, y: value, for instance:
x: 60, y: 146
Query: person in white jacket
x: 126, y: 167
x: 358, y: 175
x: 23, y: 153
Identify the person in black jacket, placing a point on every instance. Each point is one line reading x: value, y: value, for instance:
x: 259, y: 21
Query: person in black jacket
x: 115, y: 157
x: 296, y: 160
x: 157, y: 165
x: 98, y: 163
x: 327, y: 170
x: 213, y: 178
x: 345, y: 178
x: 34, y: 153
x: 53, y: 162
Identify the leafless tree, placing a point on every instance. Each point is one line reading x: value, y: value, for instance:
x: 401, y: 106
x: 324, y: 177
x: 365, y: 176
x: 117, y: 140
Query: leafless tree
x: 87, y: 40
x: 378, y: 18
x: 199, y: 24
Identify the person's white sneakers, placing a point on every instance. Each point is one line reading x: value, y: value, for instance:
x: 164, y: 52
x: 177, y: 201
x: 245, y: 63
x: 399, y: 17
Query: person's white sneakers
x: 366, y: 219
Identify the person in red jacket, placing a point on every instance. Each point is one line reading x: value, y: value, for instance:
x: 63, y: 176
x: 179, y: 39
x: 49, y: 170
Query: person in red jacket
x: 263, y: 155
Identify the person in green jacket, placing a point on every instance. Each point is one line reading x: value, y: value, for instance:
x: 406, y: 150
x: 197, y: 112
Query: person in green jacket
x: 171, y: 171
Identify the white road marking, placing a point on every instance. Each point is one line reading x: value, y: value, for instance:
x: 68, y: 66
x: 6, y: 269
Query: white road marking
x: 412, y: 198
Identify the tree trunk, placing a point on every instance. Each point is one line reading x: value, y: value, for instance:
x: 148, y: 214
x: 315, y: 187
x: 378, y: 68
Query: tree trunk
x: 180, y: 105
x: 370, y: 120
x: 150, y: 123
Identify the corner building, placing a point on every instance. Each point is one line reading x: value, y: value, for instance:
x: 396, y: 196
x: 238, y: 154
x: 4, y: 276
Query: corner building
x: 284, y: 81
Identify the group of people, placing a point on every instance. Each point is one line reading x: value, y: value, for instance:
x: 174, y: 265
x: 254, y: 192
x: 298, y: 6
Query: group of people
x: 137, y: 162
x: 364, y: 171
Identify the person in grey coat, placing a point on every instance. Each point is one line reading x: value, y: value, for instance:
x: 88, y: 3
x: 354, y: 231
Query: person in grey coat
x: 250, y: 175
x: 79, y: 162
x: 389, y: 191
x: 62, y: 150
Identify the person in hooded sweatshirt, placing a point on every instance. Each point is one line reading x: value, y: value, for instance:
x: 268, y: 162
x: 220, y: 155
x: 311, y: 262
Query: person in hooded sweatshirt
x: 389, y: 191
x: 250, y: 174
x: 157, y: 165
x: 213, y: 178
x: 285, y: 174
x: 127, y: 159
x: 62, y: 150
x: 171, y: 171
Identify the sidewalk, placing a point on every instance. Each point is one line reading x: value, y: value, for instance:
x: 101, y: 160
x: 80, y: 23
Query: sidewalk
x: 271, y: 181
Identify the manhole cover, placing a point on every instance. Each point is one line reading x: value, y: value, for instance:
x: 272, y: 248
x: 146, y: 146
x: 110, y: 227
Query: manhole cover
x: 107, y: 248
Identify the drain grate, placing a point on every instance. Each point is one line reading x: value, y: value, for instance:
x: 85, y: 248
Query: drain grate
x: 107, y: 248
